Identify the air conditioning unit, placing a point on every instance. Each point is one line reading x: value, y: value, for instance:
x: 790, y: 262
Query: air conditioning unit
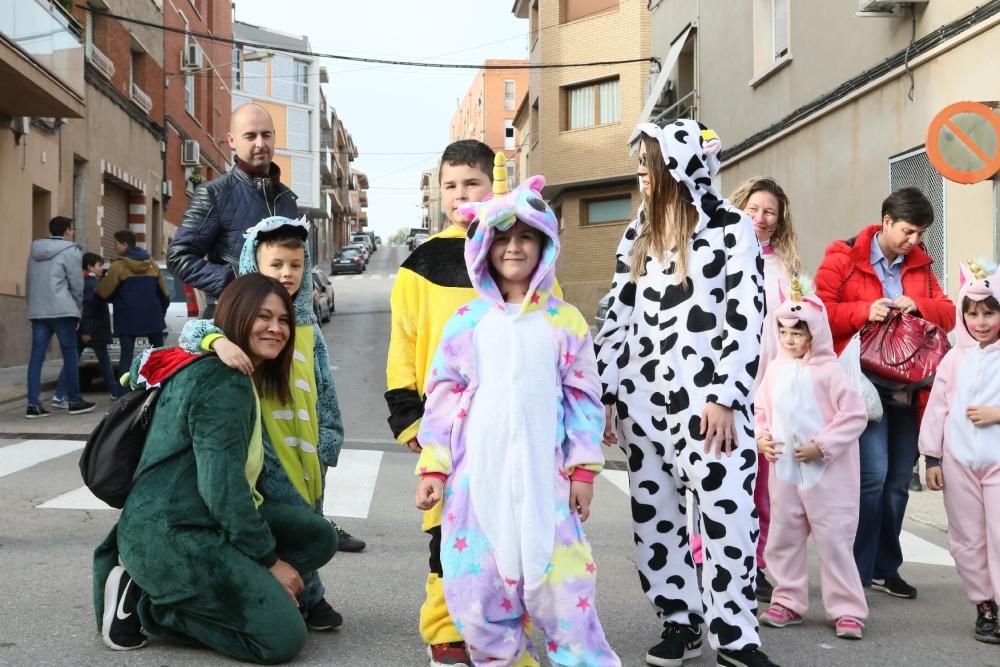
x: 191, y: 56
x: 22, y: 124
x: 884, y: 8
x: 191, y: 153
x: 168, y: 189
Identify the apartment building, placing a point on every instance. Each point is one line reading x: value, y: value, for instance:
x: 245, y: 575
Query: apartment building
x: 836, y: 103
x: 42, y: 87
x: 198, y: 80
x: 578, y: 121
x: 432, y: 218
x: 487, y: 111
x: 286, y: 83
x: 338, y: 158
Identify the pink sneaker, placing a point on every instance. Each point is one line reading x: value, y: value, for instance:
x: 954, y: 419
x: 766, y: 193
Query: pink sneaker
x: 849, y: 627
x: 779, y: 616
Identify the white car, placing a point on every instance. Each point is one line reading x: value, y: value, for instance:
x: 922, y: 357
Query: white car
x: 185, y: 304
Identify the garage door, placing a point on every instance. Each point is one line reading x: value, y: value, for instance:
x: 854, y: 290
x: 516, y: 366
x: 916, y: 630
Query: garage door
x: 115, y: 217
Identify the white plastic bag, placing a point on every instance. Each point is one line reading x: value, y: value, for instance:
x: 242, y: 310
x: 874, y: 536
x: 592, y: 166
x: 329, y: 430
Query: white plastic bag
x: 850, y: 359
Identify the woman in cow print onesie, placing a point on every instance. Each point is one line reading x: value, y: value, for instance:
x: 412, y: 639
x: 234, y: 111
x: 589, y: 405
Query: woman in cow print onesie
x: 677, y: 356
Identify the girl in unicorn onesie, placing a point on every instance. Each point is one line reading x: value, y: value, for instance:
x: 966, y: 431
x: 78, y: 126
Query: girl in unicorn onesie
x: 808, y: 421
x: 959, y: 438
x: 511, y: 439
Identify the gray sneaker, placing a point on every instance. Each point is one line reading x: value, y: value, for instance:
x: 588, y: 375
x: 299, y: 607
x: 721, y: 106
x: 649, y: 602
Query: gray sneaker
x: 59, y: 402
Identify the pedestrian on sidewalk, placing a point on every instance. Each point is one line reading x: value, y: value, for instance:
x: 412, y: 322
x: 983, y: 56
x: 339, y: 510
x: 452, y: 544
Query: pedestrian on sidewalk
x: 768, y: 206
x: 138, y: 291
x: 197, y: 556
x: 54, y: 286
x: 958, y: 438
x: 303, y: 436
x: 94, y: 332
x: 511, y: 443
x: 885, y: 266
x: 205, y: 251
x: 678, y: 356
x: 808, y: 420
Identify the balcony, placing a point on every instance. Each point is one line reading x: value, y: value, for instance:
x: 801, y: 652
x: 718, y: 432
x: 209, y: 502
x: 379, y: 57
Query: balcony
x: 326, y: 175
x: 41, y: 61
x: 139, y: 96
x: 101, y: 62
x: 363, y: 198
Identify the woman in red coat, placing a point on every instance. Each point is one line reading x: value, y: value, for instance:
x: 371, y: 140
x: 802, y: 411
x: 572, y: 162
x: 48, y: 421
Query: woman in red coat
x: 885, y: 266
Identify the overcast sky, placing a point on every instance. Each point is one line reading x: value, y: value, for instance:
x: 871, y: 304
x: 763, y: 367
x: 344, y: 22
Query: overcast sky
x: 398, y: 116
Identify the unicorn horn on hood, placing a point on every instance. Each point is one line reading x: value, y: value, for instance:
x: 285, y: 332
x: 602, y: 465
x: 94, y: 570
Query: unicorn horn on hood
x: 796, y: 286
x: 977, y: 270
x: 500, y: 174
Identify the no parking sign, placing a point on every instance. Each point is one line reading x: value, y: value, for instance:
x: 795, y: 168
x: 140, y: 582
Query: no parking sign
x: 963, y: 142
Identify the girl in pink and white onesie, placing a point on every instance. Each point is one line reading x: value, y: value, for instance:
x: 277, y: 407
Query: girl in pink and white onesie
x: 960, y: 441
x: 808, y: 421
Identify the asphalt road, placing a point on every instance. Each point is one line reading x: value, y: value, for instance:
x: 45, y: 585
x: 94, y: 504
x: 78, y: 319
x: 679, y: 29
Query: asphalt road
x: 48, y: 529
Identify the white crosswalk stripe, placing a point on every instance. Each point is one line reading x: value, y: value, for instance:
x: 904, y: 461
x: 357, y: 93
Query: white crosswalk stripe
x: 22, y: 455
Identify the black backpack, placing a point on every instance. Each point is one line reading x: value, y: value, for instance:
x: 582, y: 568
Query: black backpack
x: 111, y: 455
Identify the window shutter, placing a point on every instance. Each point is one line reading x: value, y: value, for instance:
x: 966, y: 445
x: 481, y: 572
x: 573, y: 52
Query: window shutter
x: 780, y: 19
x: 282, y: 78
x: 255, y: 77
x: 297, y: 129
x: 302, y: 180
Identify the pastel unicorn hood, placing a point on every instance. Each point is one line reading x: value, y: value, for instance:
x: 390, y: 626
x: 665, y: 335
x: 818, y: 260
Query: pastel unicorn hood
x: 303, y: 299
x: 523, y: 203
x: 803, y: 306
x: 978, y: 284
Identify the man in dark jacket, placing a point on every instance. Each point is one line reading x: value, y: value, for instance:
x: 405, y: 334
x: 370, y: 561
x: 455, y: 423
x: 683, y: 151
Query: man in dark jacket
x: 205, y: 251
x: 54, y: 287
x: 94, y: 331
x: 136, y: 288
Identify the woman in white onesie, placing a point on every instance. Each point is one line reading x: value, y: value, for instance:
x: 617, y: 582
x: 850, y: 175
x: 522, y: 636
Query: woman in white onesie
x: 677, y: 356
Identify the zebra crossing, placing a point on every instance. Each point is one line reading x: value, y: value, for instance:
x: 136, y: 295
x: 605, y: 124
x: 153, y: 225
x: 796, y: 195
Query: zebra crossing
x: 355, y: 479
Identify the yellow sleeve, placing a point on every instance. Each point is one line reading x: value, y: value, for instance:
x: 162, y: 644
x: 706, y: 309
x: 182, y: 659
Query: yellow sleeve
x: 404, y: 397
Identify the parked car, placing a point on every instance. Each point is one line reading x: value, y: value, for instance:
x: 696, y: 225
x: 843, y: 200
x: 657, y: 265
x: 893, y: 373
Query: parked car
x: 602, y: 311
x: 365, y: 255
x: 321, y: 280
x: 348, y: 260
x: 364, y: 239
x: 413, y: 232
x: 321, y: 304
x: 378, y: 240
x: 419, y: 239
x: 185, y: 304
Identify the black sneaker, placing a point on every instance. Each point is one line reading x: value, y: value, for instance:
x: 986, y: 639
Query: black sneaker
x: 121, y: 628
x: 745, y: 657
x: 915, y: 484
x: 764, y: 587
x: 680, y: 643
x: 80, y: 407
x: 896, y: 587
x: 321, y: 616
x: 348, y: 542
x: 987, y: 629
x: 35, y: 412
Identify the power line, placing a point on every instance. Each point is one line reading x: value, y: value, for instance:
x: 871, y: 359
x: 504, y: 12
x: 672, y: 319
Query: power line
x: 357, y: 59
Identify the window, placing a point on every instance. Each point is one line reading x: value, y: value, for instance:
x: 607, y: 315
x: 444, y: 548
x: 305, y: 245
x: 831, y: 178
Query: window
x: 508, y: 94
x: 301, y: 82
x: 189, y: 93
x: 512, y: 173
x: 509, y: 142
x: 237, y: 84
x: 771, y: 34
x: 913, y: 169
x: 571, y: 10
x: 592, y: 104
x: 606, y: 209
x: 533, y: 123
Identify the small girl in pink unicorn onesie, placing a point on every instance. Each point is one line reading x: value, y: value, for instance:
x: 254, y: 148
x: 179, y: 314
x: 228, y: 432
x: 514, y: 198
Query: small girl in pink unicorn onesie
x: 960, y: 441
x: 808, y: 421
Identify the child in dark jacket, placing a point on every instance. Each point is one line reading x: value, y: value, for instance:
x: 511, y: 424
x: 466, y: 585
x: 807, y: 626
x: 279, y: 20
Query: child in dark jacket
x: 94, y: 331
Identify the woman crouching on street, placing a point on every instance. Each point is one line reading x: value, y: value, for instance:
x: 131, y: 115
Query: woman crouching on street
x: 196, y: 557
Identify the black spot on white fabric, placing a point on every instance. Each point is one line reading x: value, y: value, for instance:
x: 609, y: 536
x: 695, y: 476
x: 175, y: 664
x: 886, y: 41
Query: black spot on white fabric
x: 647, y: 346
x: 642, y: 513
x: 726, y: 505
x: 650, y: 486
x: 678, y: 401
x: 721, y: 580
x: 749, y: 459
x: 716, y: 475
x: 635, y: 457
x: 713, y: 268
x: 659, y: 558
x: 700, y: 320
x: 627, y: 294
x: 703, y: 378
x: 664, y: 527
x: 726, y: 632
x: 714, y: 529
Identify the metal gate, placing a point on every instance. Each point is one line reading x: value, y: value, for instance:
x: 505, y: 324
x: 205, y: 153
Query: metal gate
x: 115, y: 217
x: 913, y: 169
